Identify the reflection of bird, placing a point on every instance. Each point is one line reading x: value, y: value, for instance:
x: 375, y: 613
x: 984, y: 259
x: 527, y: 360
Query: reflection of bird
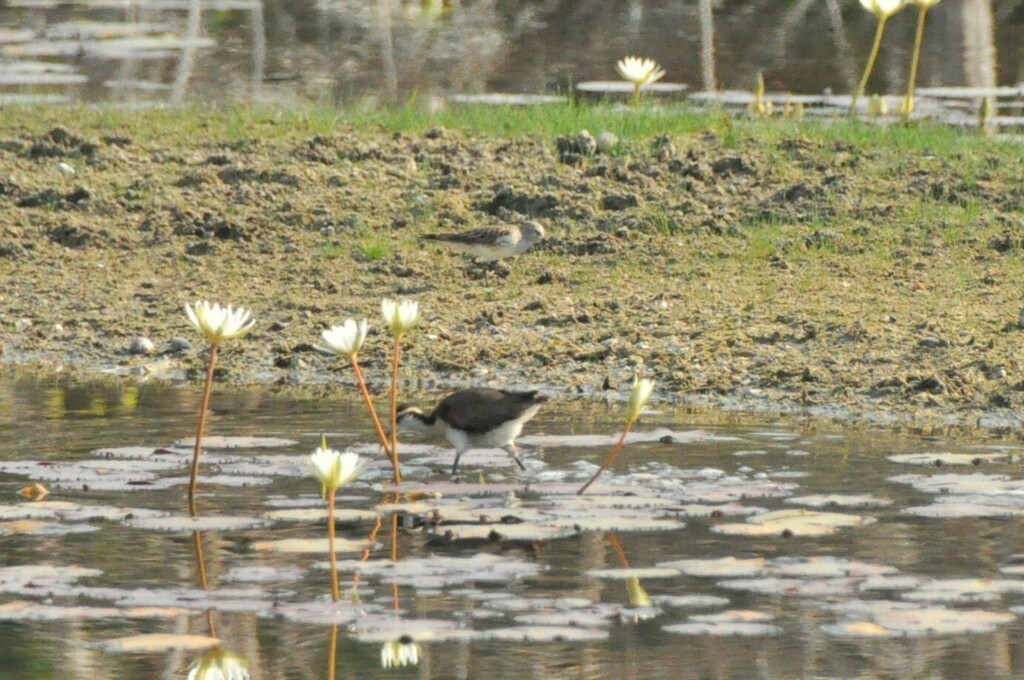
x: 493, y: 243
x: 477, y: 417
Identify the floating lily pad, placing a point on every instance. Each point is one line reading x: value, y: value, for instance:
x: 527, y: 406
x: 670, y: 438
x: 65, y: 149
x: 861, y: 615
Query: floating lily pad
x: 264, y: 574
x: 159, y: 642
x: 644, y: 573
x: 734, y: 489
x: 715, y: 509
x: 201, y: 523
x: 177, y: 456
x: 504, y: 532
x: 660, y: 435
x: 35, y: 527
x: 964, y: 591
x: 319, y: 514
x: 970, y: 505
x: 312, y: 545
x: 826, y: 566
x: 385, y: 626
x: 793, y: 522
x: 441, y: 571
x: 325, y: 612
x: 840, y: 501
x: 689, y: 601
x: 724, y: 567
x: 22, y: 610
x: 42, y: 579
x: 883, y: 618
x: 723, y: 629
x: 239, y: 442
x: 962, y: 483
x: 795, y: 587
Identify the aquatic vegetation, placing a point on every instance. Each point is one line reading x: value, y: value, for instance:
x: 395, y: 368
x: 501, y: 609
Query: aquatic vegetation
x: 642, y: 389
x: 922, y: 10
x: 640, y: 72
x: 216, y: 324
x: 882, y: 9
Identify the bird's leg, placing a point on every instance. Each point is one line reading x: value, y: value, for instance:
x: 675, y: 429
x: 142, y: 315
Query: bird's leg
x: 511, y: 450
x: 455, y: 465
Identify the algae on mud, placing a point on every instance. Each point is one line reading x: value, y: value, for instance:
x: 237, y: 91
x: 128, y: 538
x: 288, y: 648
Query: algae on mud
x: 827, y: 267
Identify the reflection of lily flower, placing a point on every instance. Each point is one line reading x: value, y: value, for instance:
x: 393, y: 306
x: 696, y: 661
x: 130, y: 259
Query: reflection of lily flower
x: 218, y: 323
x: 219, y: 664
x: 345, y: 339
x: 399, y: 316
x: 401, y: 652
x: 334, y: 469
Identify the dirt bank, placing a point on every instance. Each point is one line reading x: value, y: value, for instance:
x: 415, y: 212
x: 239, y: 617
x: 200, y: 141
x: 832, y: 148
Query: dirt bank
x: 851, y: 271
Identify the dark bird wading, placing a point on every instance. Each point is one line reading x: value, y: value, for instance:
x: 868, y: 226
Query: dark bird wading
x: 477, y: 418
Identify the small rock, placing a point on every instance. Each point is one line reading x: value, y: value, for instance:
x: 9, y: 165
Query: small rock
x: 606, y: 141
x: 997, y: 372
x: 65, y: 169
x: 932, y: 343
x: 141, y: 345
x: 22, y: 324
x: 179, y: 344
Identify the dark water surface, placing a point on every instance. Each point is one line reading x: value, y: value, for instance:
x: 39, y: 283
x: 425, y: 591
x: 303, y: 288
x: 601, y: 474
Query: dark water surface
x: 344, y: 51
x: 53, y: 422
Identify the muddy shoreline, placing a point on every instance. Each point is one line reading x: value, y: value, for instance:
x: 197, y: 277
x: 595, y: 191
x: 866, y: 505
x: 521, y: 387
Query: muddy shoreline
x: 788, y: 271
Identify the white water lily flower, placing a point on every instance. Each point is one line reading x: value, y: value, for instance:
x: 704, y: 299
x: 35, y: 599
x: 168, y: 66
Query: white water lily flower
x: 925, y: 3
x: 345, y: 339
x: 333, y: 468
x: 218, y: 664
x: 639, y: 71
x: 642, y: 388
x: 883, y: 8
x: 402, y: 652
x: 218, y: 323
x: 399, y: 316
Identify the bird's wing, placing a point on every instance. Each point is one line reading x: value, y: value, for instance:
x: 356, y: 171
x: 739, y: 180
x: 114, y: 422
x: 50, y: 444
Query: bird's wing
x: 478, y: 410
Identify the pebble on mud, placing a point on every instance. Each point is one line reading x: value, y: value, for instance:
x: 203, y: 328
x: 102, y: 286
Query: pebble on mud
x: 179, y: 344
x: 141, y: 345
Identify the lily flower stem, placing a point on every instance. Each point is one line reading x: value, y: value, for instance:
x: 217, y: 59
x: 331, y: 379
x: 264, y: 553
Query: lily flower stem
x: 394, y: 411
x: 908, y: 104
x: 611, y: 457
x: 636, y: 93
x: 879, y: 32
x: 332, y: 556
x: 332, y: 652
x: 373, y: 412
x: 194, y: 478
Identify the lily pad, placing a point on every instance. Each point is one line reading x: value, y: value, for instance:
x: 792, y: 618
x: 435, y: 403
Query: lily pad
x: 883, y: 618
x: 441, y: 571
x: 544, y: 634
x: 312, y: 545
x: 724, y: 567
x: 238, y: 442
x: 793, y: 523
x: 159, y: 642
x: 201, y: 523
x: 947, y: 458
x: 840, y: 501
x: 644, y: 573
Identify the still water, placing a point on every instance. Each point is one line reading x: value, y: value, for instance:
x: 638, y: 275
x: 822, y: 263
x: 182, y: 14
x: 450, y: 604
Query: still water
x: 910, y: 573
x: 150, y: 52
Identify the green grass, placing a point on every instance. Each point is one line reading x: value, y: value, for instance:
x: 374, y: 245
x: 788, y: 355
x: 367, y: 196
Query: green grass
x: 240, y: 127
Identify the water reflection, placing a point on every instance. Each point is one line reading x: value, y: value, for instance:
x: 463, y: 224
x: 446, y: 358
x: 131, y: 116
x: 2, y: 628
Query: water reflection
x: 147, y: 53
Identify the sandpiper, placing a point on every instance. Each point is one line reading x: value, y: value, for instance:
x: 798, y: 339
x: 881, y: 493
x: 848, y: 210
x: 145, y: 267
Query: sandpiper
x: 489, y: 244
x: 476, y: 418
